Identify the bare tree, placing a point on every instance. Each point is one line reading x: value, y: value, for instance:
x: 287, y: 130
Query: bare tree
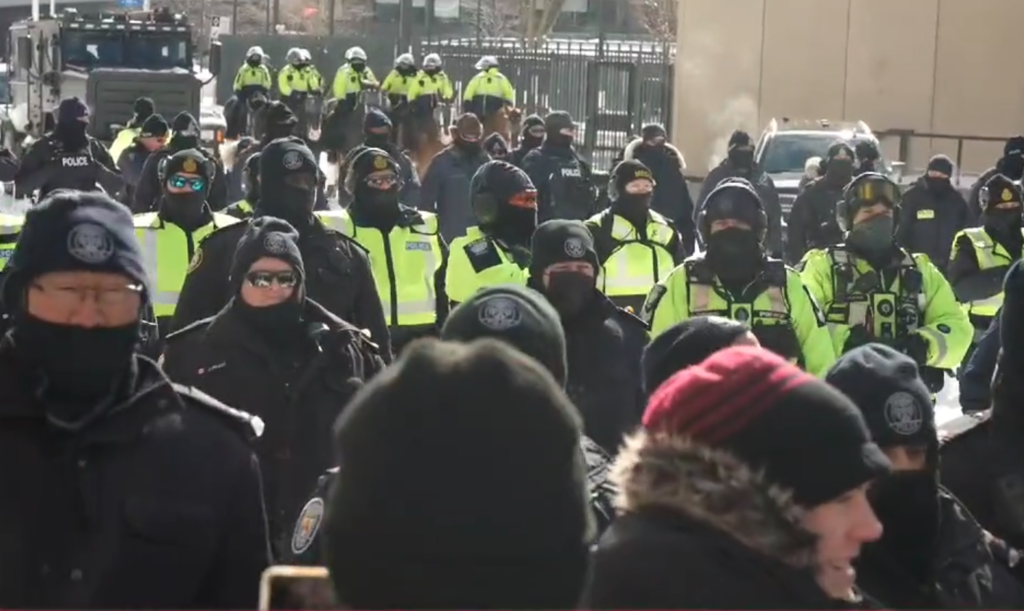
x: 495, y: 18
x: 659, y: 17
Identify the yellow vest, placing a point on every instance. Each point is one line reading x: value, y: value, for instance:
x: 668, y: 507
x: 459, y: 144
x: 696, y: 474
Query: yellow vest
x: 990, y: 254
x: 466, y: 274
x: 122, y: 141
x: 167, y: 252
x: 10, y: 229
x: 705, y: 298
x: 635, y: 265
x: 404, y: 265
x: 886, y: 312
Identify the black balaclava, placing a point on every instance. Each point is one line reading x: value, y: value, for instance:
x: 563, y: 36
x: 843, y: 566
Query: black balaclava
x: 280, y: 324
x: 1003, y: 224
x: 75, y: 372
x: 279, y: 160
x: 1011, y: 164
x: 251, y: 179
x: 501, y: 182
x: 254, y: 60
x: 187, y: 210
x: 495, y: 146
x: 839, y: 164
x: 527, y: 140
x: 654, y: 136
x: 734, y: 253
x: 467, y: 136
x: 377, y: 129
x: 887, y: 388
x: 554, y: 123
x: 635, y: 208
x: 186, y: 132
x: 741, y: 152
x: 278, y: 122
x: 867, y: 156
x: 373, y: 207
x: 142, y: 109
x: 942, y: 164
x: 72, y: 123
x: 563, y: 241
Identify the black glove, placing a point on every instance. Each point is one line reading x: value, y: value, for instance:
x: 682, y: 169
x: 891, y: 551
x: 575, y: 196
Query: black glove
x: 858, y: 337
x: 914, y: 346
x: 780, y: 339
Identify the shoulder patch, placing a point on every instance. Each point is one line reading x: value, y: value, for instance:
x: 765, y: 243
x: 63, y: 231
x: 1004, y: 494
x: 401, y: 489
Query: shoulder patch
x: 632, y: 318
x: 197, y: 260
x: 307, y: 526
x: 651, y: 303
x: 958, y: 427
x: 482, y: 254
x: 252, y: 425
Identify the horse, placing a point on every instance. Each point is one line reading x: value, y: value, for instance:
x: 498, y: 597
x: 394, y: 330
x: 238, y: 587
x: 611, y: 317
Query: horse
x: 343, y: 132
x: 504, y: 121
x: 429, y: 139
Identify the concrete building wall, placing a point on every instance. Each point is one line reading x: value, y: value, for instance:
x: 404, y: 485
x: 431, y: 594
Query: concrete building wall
x: 926, y: 65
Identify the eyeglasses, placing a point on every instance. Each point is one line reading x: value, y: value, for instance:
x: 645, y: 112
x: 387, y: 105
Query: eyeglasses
x: 264, y: 280
x: 182, y: 182
x: 115, y: 298
x: 381, y: 181
x: 638, y: 187
x: 537, y: 130
x: 524, y: 199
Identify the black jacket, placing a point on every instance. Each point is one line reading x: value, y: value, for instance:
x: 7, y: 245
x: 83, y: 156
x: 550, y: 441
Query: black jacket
x: 675, y: 548
x: 969, y: 569
x: 672, y: 194
x: 148, y: 190
x: 929, y: 218
x: 765, y: 187
x: 298, y: 393
x: 974, y: 201
x: 445, y: 190
x: 564, y: 182
x: 604, y: 347
x: 969, y: 282
x: 338, y: 277
x: 156, y: 505
x: 812, y: 221
x: 46, y: 166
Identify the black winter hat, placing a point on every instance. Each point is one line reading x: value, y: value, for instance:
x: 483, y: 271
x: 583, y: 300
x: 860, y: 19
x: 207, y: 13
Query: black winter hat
x: 998, y: 190
x: 143, y: 108
x: 74, y: 231
x: 887, y: 388
x: 518, y: 315
x: 285, y: 156
x: 627, y: 171
x: 72, y: 110
x: 805, y: 435
x: 839, y: 149
x: 652, y: 131
x: 495, y: 145
x: 375, y: 119
x: 461, y: 485
x: 1014, y: 146
x: 532, y: 121
x: 558, y: 120
x: 867, y: 150
x: 189, y: 161
x: 266, y: 236
x: 155, y: 126
x: 740, y: 138
x: 559, y: 241
x: 370, y: 160
x: 278, y: 113
x: 184, y: 124
x: 501, y: 179
x: 941, y: 163
x: 686, y: 344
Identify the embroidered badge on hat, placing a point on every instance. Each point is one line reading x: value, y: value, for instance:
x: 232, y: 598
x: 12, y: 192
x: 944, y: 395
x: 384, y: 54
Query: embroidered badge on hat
x: 903, y: 414
x: 379, y: 163
x: 499, y: 313
x: 90, y: 243
x: 190, y: 165
x: 275, y: 244
x: 574, y: 248
x: 307, y: 526
x: 1007, y: 195
x: 292, y: 160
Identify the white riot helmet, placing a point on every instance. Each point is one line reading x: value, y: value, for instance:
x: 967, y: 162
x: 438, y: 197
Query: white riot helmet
x: 355, y: 53
x: 432, y: 61
x: 405, y: 60
x: 255, y: 52
x: 305, y: 55
x: 294, y: 55
x: 487, y: 62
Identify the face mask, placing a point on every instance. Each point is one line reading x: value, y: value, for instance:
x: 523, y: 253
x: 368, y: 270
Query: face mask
x: 569, y: 292
x: 867, y: 166
x: 375, y: 207
x: 291, y: 203
x: 529, y: 140
x: 559, y: 139
x: 741, y: 159
x: 997, y: 219
x: 1013, y: 166
x: 873, y: 235
x: 253, y: 62
x: 514, y: 225
x: 186, y: 205
x: 278, y: 323
x: 377, y: 141
x: 432, y: 71
x: 906, y: 503
x: 733, y: 252
x: 840, y: 171
x: 467, y: 146
x: 358, y: 66
x: 633, y: 204
x: 937, y: 184
x: 56, y: 351
x: 72, y: 134
x: 181, y: 143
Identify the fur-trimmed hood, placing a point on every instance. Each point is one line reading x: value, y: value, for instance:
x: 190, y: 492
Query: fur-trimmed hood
x: 713, y: 488
x: 631, y: 150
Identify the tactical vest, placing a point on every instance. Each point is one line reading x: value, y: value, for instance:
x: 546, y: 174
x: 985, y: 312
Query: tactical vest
x: 989, y: 254
x: 10, y: 229
x: 635, y: 265
x: 476, y: 260
x: 168, y: 253
x: 886, y: 311
x: 76, y: 170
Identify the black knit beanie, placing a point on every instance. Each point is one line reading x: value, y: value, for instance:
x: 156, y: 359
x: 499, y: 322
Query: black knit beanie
x: 886, y: 386
x: 686, y: 344
x: 461, y: 485
x: 266, y: 236
x: 559, y: 241
x: 515, y: 314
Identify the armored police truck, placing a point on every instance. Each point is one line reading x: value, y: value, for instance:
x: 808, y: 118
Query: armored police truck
x: 106, y: 59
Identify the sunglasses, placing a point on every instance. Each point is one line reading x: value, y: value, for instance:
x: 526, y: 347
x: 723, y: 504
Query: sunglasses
x: 264, y: 280
x: 181, y: 182
x: 382, y: 181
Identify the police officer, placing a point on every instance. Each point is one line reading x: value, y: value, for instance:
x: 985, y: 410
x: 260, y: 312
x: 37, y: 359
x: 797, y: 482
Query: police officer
x: 446, y: 185
x: 171, y: 236
x: 605, y: 343
x: 178, y: 521
x: 351, y: 79
x: 812, y: 221
x: 150, y: 138
x: 869, y: 159
x: 429, y: 88
x: 142, y: 109
x: 932, y: 553
x: 338, y: 270
x: 293, y: 81
x: 185, y: 135
x: 932, y: 213
x: 396, y: 86
x: 489, y: 90
x: 10, y: 229
x: 377, y: 131
x: 735, y: 279
x: 67, y: 158
x: 872, y: 290
x: 283, y: 356
x: 982, y: 255
x: 311, y: 72
x: 244, y: 208
x: 406, y: 251
x: 636, y: 246
x: 497, y: 249
x: 1010, y: 165
x: 564, y: 181
x: 252, y: 82
x: 531, y: 137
